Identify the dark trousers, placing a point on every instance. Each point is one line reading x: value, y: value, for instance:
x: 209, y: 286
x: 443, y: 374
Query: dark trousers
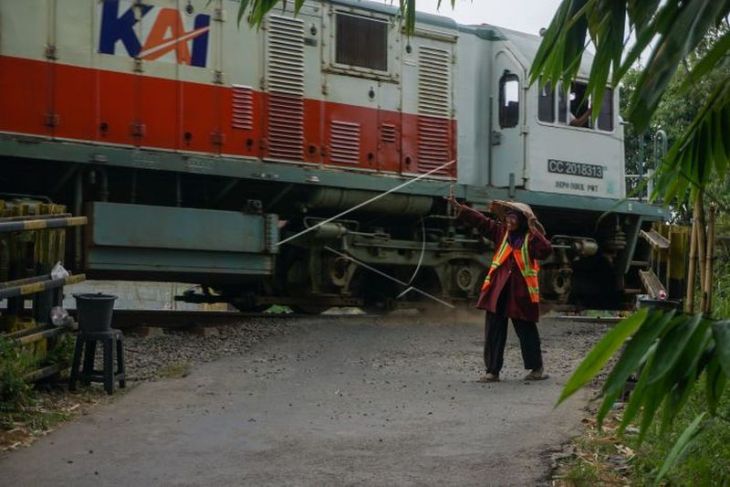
x: 495, y: 339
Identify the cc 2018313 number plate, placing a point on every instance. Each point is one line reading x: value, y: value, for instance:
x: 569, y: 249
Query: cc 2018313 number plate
x: 575, y: 168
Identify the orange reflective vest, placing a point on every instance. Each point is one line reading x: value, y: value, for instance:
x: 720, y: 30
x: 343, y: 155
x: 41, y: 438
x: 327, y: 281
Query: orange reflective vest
x: 528, y: 267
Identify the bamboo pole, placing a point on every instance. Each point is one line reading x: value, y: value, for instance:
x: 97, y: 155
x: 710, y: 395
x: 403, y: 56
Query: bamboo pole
x: 689, y: 299
x: 701, y: 239
x: 710, y: 257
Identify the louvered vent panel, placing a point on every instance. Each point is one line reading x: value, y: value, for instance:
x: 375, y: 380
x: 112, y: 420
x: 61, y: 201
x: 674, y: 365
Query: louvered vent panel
x: 345, y: 142
x: 242, y: 107
x: 433, y: 144
x: 387, y: 133
x: 285, y: 83
x: 434, y: 108
x: 434, y: 82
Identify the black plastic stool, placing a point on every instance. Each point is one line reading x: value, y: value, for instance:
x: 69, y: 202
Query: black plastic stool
x: 86, y: 346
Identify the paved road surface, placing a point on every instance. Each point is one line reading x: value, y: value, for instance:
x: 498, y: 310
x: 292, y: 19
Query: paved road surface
x: 332, y: 402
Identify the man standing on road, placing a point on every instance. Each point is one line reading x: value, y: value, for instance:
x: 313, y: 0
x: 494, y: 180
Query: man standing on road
x: 510, y: 290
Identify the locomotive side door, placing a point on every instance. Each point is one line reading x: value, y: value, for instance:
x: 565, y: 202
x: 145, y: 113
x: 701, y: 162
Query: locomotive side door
x: 508, y: 120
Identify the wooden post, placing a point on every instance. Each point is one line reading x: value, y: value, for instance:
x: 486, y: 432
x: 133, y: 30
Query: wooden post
x: 710, y: 257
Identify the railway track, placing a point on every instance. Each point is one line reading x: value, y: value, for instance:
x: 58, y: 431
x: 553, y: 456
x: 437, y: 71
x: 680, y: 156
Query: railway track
x: 127, y: 319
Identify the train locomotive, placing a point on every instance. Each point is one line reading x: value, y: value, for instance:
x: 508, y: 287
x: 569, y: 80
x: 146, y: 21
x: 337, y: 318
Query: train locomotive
x: 198, y: 146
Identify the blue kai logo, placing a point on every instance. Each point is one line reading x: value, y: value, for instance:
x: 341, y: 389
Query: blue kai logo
x: 164, y: 33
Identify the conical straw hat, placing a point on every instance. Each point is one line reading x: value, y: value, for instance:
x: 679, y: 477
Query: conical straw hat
x: 500, y: 208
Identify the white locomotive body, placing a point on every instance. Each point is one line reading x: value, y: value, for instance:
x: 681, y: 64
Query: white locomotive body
x: 151, y: 104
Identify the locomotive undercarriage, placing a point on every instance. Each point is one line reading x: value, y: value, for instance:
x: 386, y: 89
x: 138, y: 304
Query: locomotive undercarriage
x: 404, y: 250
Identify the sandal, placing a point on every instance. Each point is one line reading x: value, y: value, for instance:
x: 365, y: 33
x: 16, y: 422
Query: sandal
x: 488, y: 377
x: 536, y: 374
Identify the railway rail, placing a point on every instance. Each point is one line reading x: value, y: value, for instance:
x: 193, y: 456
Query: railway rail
x: 128, y: 319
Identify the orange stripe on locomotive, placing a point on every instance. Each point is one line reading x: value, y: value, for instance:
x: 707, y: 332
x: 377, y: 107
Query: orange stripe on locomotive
x: 57, y: 97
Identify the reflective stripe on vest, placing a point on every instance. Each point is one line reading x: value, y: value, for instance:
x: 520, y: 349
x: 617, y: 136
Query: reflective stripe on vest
x: 528, y: 267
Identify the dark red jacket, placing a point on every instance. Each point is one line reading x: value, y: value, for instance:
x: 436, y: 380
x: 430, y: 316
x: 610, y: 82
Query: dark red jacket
x: 507, y: 277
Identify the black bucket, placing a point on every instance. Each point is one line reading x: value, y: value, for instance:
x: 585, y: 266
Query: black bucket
x: 94, y: 311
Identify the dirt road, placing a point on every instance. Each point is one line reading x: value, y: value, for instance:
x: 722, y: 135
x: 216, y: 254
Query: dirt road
x: 355, y: 401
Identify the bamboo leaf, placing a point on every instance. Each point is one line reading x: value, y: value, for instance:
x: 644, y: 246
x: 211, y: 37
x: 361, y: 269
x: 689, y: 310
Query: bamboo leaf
x: 714, y: 56
x: 672, y: 345
x: 634, y: 354
x: 680, y: 34
x: 651, y: 400
x: 684, y: 375
x: 563, y: 44
x: 721, y: 333
x: 680, y: 447
x: 601, y: 352
x: 715, y: 381
x: 641, y: 12
x: 640, y: 390
x: 242, y: 7
x: 257, y: 9
x: 718, y: 149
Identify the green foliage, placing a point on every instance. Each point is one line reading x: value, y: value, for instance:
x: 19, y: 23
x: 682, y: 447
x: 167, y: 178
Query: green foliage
x: 256, y: 10
x: 674, y: 115
x: 693, y: 107
x: 61, y: 353
x: 695, y: 452
x: 680, y: 447
x: 702, y: 148
x: 600, y: 353
x: 670, y: 352
x: 15, y: 363
x: 721, y: 299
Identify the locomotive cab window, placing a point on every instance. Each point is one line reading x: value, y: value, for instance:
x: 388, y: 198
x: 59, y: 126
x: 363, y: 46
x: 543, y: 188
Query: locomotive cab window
x: 605, y: 117
x: 509, y: 100
x: 578, y: 106
x: 574, y: 107
x: 361, y: 42
x: 546, y: 104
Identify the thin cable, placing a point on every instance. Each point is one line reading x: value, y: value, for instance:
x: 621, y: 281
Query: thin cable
x: 364, y: 203
x: 345, y: 256
x: 423, y: 251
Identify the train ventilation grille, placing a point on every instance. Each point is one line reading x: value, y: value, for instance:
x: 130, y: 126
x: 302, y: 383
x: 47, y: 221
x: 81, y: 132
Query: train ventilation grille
x: 434, y: 82
x: 285, y: 83
x: 387, y: 133
x: 434, y: 108
x: 242, y: 107
x: 344, y: 142
x: 433, y: 144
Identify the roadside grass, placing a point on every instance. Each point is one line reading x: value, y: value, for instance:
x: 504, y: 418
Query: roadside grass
x: 605, y: 458
x: 175, y: 370
x: 707, y: 462
x: 599, y: 457
x: 21, y: 425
